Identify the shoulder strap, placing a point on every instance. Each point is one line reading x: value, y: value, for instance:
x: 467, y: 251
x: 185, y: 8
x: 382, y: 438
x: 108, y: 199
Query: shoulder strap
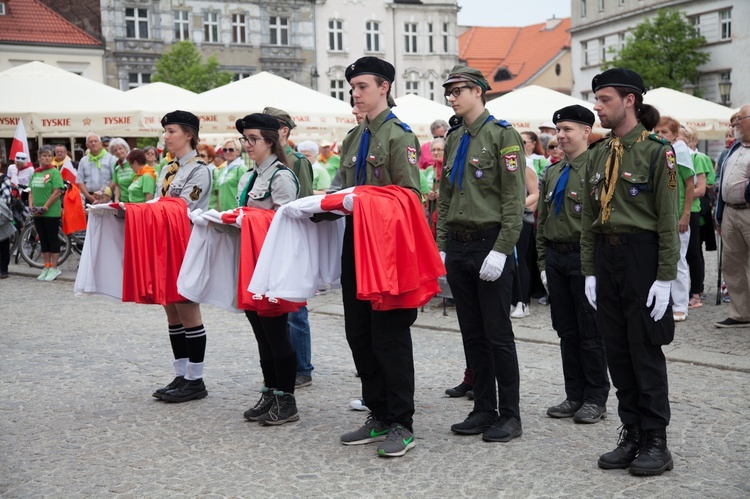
x: 279, y: 167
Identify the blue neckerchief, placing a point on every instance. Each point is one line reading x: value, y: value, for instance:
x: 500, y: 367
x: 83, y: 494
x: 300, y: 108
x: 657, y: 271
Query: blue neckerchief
x: 460, y: 160
x: 364, y: 147
x: 559, y: 193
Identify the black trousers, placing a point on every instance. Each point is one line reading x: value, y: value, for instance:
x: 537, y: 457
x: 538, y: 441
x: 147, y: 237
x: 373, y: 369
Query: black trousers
x: 694, y: 255
x: 584, y: 360
x: 381, y: 346
x: 47, y: 229
x: 483, y: 314
x: 624, y: 275
x: 4, y: 255
x: 277, y: 360
x: 525, y: 241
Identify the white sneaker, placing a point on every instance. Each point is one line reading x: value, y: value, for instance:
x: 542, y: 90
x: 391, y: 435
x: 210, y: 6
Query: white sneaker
x: 52, y: 274
x: 522, y: 310
x: 680, y: 316
x: 44, y: 273
x: 358, y: 405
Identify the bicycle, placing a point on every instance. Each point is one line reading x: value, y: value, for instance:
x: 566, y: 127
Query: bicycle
x: 30, y: 248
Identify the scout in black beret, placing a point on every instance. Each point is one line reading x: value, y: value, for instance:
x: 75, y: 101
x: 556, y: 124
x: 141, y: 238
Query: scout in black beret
x: 574, y: 113
x: 371, y: 66
x: 258, y: 121
x: 181, y: 118
x: 619, y: 77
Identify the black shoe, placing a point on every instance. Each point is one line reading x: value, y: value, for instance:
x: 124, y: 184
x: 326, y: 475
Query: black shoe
x: 475, y: 423
x: 565, y: 410
x: 4, y: 275
x: 470, y: 394
x: 590, y: 413
x: 283, y: 410
x: 178, y: 382
x: 654, y: 458
x: 504, y: 429
x: 262, y: 407
x: 458, y: 391
x: 626, y: 451
x: 191, y: 390
x: 302, y: 381
x: 729, y: 322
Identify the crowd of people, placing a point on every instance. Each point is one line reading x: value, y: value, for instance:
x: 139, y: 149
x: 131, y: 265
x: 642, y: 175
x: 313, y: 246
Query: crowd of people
x: 565, y: 215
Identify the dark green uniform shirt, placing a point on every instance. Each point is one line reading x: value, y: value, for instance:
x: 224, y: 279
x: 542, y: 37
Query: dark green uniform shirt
x: 494, y: 184
x: 391, y: 158
x: 645, y: 198
x: 566, y: 226
x: 302, y: 168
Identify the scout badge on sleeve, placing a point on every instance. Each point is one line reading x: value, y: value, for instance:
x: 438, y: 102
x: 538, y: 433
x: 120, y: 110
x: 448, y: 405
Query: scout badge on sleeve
x: 511, y: 162
x: 672, y: 181
x: 196, y: 193
x: 670, y: 160
x: 411, y: 155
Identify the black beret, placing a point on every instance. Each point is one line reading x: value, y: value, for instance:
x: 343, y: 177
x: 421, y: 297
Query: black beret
x: 181, y: 118
x: 574, y: 113
x: 618, y: 77
x: 371, y: 66
x: 257, y: 121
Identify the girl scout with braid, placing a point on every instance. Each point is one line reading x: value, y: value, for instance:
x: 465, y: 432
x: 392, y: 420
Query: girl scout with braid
x: 189, y: 178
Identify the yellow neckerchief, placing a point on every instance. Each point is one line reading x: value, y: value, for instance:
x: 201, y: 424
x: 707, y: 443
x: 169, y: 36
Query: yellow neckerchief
x: 171, y: 172
x: 146, y: 170
x: 58, y: 164
x: 612, y: 171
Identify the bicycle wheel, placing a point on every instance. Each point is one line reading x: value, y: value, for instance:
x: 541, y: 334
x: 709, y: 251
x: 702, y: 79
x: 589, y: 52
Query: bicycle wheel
x: 64, y: 246
x: 31, y: 248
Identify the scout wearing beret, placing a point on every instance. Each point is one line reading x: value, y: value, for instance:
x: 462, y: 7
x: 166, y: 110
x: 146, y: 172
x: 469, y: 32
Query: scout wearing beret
x: 481, y: 202
x: 558, y: 234
x: 629, y: 252
x: 380, y: 151
x: 189, y: 178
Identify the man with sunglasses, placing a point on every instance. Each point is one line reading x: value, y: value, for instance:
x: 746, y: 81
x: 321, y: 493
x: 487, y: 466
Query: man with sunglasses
x: 480, y: 208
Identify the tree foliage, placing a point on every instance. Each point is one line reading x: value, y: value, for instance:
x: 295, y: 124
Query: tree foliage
x: 663, y: 50
x: 182, y: 65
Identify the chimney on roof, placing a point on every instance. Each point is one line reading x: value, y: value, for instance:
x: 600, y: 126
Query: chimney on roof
x: 552, y: 23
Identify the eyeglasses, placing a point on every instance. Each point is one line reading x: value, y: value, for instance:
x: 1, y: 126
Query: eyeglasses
x: 553, y: 146
x: 249, y: 140
x: 455, y: 92
x: 229, y: 149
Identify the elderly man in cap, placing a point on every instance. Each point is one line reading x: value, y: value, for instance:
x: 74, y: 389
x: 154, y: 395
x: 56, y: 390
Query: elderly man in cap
x: 629, y: 252
x: 481, y: 202
x: 584, y: 360
x: 20, y: 172
x: 327, y: 158
x: 380, y: 151
x: 96, y: 169
x: 548, y: 127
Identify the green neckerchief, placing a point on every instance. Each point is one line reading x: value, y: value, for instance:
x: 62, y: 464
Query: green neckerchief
x: 96, y: 158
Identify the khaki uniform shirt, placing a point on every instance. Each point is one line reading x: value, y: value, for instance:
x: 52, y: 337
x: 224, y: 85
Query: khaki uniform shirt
x: 302, y: 168
x: 265, y: 193
x: 192, y: 182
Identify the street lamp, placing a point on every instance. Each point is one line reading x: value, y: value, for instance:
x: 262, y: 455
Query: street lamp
x: 725, y: 86
x: 688, y: 88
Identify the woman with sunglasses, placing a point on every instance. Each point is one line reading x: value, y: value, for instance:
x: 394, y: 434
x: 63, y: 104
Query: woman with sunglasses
x: 228, y: 177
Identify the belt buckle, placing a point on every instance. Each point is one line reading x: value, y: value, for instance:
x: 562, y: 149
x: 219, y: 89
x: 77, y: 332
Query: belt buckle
x: 614, y: 239
x: 465, y: 237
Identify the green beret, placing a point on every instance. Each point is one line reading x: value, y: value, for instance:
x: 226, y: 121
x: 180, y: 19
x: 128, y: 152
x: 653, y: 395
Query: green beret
x: 467, y: 74
x: 280, y: 115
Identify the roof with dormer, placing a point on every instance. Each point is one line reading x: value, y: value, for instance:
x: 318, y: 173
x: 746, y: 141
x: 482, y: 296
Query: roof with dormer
x: 32, y: 22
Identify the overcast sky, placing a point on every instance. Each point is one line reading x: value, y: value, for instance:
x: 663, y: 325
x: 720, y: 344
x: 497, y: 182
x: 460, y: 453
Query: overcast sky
x: 510, y: 12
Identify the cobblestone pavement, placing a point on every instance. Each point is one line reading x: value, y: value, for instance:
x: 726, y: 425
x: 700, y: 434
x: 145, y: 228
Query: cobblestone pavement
x: 77, y: 416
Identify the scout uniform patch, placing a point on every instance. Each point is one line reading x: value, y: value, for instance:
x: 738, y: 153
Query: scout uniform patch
x: 633, y: 191
x: 511, y: 162
x: 670, y: 160
x: 411, y: 155
x: 196, y: 194
x: 509, y: 149
x: 672, y: 182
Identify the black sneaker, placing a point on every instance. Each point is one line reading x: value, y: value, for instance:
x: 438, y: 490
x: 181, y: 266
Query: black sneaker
x: 590, y: 413
x: 283, y: 410
x: 302, y: 381
x: 565, y: 410
x: 398, y: 441
x: 178, y: 382
x: 504, y: 429
x: 458, y: 391
x: 475, y: 423
x: 372, y: 431
x: 192, y: 390
x: 729, y: 322
x: 470, y: 394
x: 262, y: 407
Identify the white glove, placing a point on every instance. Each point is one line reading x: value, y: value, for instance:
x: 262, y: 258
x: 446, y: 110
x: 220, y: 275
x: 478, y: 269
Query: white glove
x: 442, y: 257
x: 349, y: 202
x: 294, y: 211
x: 659, y: 296
x: 492, y: 267
x: 543, y: 275
x: 590, y: 289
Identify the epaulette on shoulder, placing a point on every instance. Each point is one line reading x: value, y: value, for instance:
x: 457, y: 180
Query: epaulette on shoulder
x: 299, y: 155
x: 657, y: 138
x: 453, y: 128
x: 350, y: 131
x: 593, y: 144
x: 555, y: 163
x: 403, y: 125
x: 503, y: 123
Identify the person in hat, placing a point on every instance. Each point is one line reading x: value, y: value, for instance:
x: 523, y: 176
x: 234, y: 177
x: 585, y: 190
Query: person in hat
x: 481, y: 202
x: 96, y: 169
x: 296, y: 161
x: 269, y: 185
x: 327, y: 158
x: 548, y: 127
x: 629, y: 252
x: 21, y: 170
x: 380, y: 151
x: 558, y: 235
x: 186, y: 177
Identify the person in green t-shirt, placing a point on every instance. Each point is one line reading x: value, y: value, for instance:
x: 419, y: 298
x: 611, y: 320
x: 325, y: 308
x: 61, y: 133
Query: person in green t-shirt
x: 229, y: 177
x: 124, y: 174
x: 143, y: 186
x: 44, y: 201
x: 321, y: 179
x: 328, y: 159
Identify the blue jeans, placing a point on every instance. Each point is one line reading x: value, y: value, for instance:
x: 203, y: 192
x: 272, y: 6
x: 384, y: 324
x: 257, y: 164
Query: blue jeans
x: 299, y: 333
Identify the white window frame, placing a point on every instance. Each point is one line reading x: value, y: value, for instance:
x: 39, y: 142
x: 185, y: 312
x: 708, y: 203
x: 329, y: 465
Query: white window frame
x: 136, y: 19
x: 431, y: 90
x: 335, y: 35
x: 583, y: 8
x: 139, y: 79
x: 430, y: 39
x: 585, y: 52
x: 337, y: 89
x: 601, y: 5
x: 2, y: 8
x: 181, y: 25
x: 602, y: 50
x: 410, y: 38
x: 411, y: 86
x: 278, y: 30
x: 725, y: 24
x: 211, y: 26
x: 446, y: 38
x: 239, y: 29
x: 372, y: 37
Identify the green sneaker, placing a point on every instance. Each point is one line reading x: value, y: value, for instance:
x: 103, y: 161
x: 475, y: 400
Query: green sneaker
x: 52, y: 274
x: 399, y: 441
x: 43, y: 275
x: 372, y: 431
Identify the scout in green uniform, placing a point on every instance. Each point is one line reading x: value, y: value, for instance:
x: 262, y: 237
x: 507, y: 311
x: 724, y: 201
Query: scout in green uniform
x: 558, y: 233
x: 629, y: 252
x: 380, y: 151
x: 481, y: 202
x: 294, y: 160
x: 44, y: 201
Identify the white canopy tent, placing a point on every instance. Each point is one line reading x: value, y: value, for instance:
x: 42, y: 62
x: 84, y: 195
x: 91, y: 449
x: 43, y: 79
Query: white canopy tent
x: 709, y: 119
x: 317, y: 116
x: 57, y: 103
x: 419, y: 113
x: 159, y: 98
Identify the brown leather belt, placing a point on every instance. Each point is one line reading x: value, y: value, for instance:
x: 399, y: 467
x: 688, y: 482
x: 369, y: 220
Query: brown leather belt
x: 738, y: 206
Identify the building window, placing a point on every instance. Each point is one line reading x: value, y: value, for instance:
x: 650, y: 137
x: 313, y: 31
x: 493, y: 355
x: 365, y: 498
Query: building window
x: 445, y: 38
x: 372, y: 36
x: 336, y: 35
x: 137, y: 79
x: 412, y: 87
x: 279, y: 30
x: 337, y: 89
x: 725, y: 18
x: 181, y: 25
x: 620, y: 41
x: 136, y: 23
x: 431, y: 87
x: 585, y: 52
x: 583, y: 8
x: 239, y: 29
x: 240, y: 76
x: 2, y: 8
x: 410, y: 38
x: 211, y: 27
x: 621, y: 3
x: 430, y: 45
x: 601, y: 5
x: 602, y: 50
x: 586, y: 95
x: 696, y: 22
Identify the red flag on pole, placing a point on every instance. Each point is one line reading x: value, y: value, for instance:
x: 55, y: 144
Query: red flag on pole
x: 20, y: 144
